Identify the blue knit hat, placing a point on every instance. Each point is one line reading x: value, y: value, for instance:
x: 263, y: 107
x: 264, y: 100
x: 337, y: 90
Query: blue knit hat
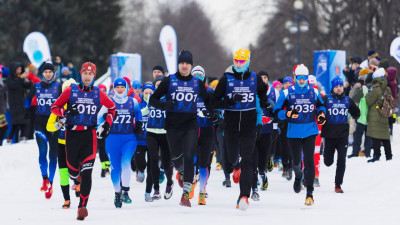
x: 336, y: 82
x: 288, y: 79
x: 148, y: 85
x: 119, y: 82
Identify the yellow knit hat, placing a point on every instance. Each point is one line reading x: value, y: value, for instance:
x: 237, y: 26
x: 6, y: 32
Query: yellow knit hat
x: 214, y: 84
x: 68, y: 83
x: 242, y: 54
x: 363, y: 72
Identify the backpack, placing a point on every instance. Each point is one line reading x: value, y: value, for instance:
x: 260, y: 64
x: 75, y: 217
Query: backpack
x: 389, y: 104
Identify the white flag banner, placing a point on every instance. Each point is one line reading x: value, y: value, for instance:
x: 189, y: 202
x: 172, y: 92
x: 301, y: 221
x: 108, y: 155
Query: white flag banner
x: 169, y: 46
x: 37, y: 48
x: 395, y: 49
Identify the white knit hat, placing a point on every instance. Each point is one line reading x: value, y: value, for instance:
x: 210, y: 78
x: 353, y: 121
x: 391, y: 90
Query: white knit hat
x: 198, y: 69
x: 380, y: 72
x: 301, y: 70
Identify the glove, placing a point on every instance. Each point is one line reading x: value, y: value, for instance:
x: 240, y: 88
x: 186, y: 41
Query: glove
x: 103, y: 130
x: 138, y: 127
x: 215, y: 118
x: 235, y: 99
x: 71, y: 111
x: 259, y: 126
x: 168, y: 105
x: 266, y: 119
x: 321, y: 118
x: 27, y: 114
x: 294, y: 114
x: 60, y: 123
x: 206, y: 113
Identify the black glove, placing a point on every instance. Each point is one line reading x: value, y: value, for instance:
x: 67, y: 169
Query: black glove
x: 206, y: 113
x: 138, y: 128
x: 215, y: 118
x: 321, y: 118
x: 71, y: 111
x: 259, y: 126
x: 103, y: 130
x: 168, y: 105
x: 292, y: 114
x: 27, y: 114
x: 235, y: 99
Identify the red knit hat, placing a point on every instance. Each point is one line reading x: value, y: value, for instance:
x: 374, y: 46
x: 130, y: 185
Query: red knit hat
x: 88, y: 66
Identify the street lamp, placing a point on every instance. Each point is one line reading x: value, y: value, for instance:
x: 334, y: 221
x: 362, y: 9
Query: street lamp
x: 298, y: 25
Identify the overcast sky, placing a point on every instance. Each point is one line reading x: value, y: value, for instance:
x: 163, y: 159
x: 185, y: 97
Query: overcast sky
x: 238, y: 23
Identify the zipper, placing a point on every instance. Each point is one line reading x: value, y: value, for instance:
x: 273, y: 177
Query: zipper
x: 240, y: 115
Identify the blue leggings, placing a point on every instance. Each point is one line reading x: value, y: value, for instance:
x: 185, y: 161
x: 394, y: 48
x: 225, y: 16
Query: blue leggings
x: 42, y: 138
x: 120, y: 149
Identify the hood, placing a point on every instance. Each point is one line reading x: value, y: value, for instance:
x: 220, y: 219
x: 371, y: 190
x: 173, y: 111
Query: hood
x: 229, y: 69
x: 14, y: 66
x: 382, y: 81
x: 392, y: 74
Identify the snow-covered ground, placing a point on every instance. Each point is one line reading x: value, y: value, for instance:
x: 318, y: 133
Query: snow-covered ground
x: 372, y: 196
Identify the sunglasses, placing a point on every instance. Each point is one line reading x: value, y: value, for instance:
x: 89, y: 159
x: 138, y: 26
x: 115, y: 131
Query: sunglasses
x: 239, y: 61
x: 136, y: 86
x: 299, y: 77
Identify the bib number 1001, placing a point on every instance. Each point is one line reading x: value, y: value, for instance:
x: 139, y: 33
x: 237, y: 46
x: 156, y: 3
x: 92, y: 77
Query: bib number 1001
x: 181, y: 96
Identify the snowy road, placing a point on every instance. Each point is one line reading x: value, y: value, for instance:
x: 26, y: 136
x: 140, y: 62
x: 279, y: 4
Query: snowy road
x: 372, y: 196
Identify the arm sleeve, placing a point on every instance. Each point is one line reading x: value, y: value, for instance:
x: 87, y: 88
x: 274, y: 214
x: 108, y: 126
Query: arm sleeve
x: 354, y: 110
x: 279, y: 111
x: 110, y: 105
x: 138, y: 112
x: 320, y: 104
x: 160, y: 91
x: 145, y: 110
x: 371, y: 97
x: 205, y: 96
x: 262, y: 89
x: 58, y: 107
x: 259, y: 111
x: 50, y: 126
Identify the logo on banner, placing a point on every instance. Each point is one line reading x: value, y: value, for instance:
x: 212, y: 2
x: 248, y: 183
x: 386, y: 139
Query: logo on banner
x: 169, y: 47
x: 395, y: 49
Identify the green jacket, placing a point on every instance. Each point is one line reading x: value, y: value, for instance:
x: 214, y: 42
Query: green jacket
x: 378, y: 126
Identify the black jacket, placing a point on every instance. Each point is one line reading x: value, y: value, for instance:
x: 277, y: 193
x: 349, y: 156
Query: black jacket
x: 176, y: 120
x: 339, y: 130
x: 16, y: 88
x: 239, y: 120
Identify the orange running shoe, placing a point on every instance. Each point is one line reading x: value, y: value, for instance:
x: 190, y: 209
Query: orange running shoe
x: 202, y: 198
x: 77, y: 190
x: 67, y: 204
x: 191, y: 193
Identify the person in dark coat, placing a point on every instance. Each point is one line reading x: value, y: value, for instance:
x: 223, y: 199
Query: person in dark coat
x: 17, y: 84
x: 392, y: 83
x: 3, y: 107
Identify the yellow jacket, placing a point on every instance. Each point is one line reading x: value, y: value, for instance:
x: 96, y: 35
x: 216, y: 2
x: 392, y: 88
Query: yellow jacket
x: 50, y: 126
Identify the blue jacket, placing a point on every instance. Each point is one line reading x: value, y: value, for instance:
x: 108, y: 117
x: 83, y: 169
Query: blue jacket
x: 299, y: 130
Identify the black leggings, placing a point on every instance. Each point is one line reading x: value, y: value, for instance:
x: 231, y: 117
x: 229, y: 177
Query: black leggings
x: 340, y: 145
x: 261, y: 155
x: 286, y: 156
x: 242, y: 142
x: 138, y: 161
x: 62, y: 164
x: 15, y: 130
x: 183, y: 145
x: 205, y: 146
x: 101, y: 147
x: 219, y: 141
x: 156, y: 142
x: 307, y: 146
x: 81, y: 152
x: 275, y: 149
x: 3, y: 131
x: 377, y: 143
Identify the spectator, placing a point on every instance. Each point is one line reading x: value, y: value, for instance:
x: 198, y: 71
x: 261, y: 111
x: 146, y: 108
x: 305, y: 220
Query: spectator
x: 392, y: 75
x: 277, y: 85
x: 355, y: 62
x: 372, y: 54
x: 17, y: 84
x: 74, y: 72
x: 65, y: 74
x: 357, y: 93
x: 378, y: 126
x: 3, y: 107
x: 158, y: 71
x: 58, y: 65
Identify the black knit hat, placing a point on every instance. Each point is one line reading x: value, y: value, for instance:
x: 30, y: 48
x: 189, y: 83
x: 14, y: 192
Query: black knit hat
x: 47, y: 66
x: 185, y: 56
x: 158, y: 67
